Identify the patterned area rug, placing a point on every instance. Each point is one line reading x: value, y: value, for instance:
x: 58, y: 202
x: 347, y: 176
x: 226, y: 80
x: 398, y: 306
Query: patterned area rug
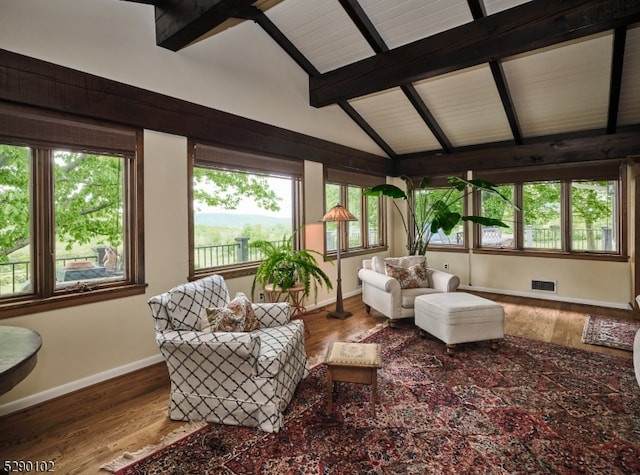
x: 530, y: 407
x: 609, y: 332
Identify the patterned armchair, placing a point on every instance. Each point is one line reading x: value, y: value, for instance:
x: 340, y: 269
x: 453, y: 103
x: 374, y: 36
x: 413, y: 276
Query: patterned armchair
x: 233, y: 378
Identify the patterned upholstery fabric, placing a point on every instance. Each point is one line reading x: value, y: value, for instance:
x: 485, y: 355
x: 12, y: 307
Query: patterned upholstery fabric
x: 412, y: 277
x: 234, y: 378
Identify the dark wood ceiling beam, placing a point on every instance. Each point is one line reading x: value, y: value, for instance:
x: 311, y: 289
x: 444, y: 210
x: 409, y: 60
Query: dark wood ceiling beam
x: 37, y: 83
x: 180, y: 22
x: 281, y: 40
x: 617, y: 62
x: 145, y: 2
x: 294, y: 53
x: 478, y: 11
x: 527, y: 27
x: 498, y: 156
x: 377, y: 43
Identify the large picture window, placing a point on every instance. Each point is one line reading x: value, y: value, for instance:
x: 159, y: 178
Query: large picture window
x: 237, y: 198
x: 346, y: 188
x: 71, y: 211
x: 568, y: 209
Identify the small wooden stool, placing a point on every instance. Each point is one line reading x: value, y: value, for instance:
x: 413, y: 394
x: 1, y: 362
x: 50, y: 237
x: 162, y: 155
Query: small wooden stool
x: 353, y: 363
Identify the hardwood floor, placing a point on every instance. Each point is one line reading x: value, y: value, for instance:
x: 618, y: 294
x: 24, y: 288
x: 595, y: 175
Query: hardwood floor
x: 84, y: 430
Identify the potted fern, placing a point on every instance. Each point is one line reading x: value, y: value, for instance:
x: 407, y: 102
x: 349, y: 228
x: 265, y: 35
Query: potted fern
x: 284, y: 267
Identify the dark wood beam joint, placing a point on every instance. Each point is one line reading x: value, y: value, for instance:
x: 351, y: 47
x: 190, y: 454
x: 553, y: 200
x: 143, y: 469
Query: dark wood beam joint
x: 180, y: 22
x: 617, y: 61
x: 523, y: 28
x: 623, y: 144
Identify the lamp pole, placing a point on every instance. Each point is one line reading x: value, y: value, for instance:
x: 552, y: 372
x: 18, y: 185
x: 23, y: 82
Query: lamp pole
x: 339, y: 214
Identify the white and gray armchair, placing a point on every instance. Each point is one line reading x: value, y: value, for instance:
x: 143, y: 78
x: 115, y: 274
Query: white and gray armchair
x: 229, y: 377
x: 390, y: 285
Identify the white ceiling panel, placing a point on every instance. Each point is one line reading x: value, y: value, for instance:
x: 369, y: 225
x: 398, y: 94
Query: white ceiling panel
x: 562, y: 88
x: 467, y: 106
x: 322, y: 32
x: 495, y: 6
x: 394, y: 118
x: 629, y: 110
x: 402, y: 22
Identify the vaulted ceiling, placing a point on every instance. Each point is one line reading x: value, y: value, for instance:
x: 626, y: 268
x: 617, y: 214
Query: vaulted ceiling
x: 430, y: 80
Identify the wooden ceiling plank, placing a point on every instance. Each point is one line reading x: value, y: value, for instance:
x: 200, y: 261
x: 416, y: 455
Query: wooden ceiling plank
x: 180, y: 22
x: 294, y: 53
x: 377, y: 43
x: 527, y: 27
x: 364, y: 125
x: 479, y: 11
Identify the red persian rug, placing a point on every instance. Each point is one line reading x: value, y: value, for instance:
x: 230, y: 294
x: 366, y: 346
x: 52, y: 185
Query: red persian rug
x: 610, y: 332
x: 530, y: 407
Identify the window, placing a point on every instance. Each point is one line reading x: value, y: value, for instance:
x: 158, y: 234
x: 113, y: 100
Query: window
x: 542, y: 214
x: 238, y: 198
x: 346, y: 188
x: 575, y: 209
x: 424, y: 201
x: 494, y: 207
x: 71, y: 213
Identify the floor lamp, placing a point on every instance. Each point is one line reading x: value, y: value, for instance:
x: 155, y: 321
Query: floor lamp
x: 338, y: 214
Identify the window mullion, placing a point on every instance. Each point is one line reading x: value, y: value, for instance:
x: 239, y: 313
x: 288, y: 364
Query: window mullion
x: 344, y: 227
x: 518, y: 228
x: 565, y: 216
x: 43, y: 232
x: 364, y: 222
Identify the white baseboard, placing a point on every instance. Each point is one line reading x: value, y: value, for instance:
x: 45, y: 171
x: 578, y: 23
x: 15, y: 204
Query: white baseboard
x: 325, y: 303
x: 548, y: 296
x: 52, y: 393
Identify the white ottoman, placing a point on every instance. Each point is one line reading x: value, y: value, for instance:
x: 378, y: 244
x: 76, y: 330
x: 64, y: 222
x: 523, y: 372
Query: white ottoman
x: 458, y: 317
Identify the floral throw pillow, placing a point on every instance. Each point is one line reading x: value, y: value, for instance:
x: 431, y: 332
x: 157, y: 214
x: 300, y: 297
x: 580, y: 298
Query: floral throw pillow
x: 225, y: 320
x: 411, y: 277
x: 237, y: 316
x: 241, y: 303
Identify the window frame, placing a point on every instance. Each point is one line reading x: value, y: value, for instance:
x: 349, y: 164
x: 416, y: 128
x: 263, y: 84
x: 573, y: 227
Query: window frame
x: 206, y: 155
x: 345, y: 180
x: 45, y: 132
x: 440, y: 182
x: 610, y: 170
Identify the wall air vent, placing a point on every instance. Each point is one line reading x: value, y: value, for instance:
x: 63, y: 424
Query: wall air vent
x: 544, y: 285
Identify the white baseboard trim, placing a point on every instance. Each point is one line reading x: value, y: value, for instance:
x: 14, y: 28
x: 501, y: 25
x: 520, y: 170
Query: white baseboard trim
x: 546, y: 296
x: 52, y: 393
x: 325, y: 303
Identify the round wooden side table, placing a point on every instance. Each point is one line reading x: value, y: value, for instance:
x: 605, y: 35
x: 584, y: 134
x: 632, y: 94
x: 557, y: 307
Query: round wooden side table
x: 18, y: 355
x: 294, y: 295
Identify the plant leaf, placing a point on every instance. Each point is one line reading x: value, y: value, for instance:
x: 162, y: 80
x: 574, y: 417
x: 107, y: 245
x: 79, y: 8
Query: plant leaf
x: 485, y: 221
x: 385, y: 189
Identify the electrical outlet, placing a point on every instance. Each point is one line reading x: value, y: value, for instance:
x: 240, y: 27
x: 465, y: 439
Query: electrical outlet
x: 445, y: 266
x: 261, y: 296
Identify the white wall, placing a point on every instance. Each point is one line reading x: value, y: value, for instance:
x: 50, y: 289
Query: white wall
x: 601, y: 283
x: 241, y: 70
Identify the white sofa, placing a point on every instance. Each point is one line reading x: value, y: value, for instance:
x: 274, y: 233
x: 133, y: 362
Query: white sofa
x: 386, y: 294
x: 242, y: 378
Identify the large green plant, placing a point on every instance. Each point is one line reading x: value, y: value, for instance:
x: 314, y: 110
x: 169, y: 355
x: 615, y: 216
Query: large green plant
x: 284, y: 266
x: 426, y: 219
